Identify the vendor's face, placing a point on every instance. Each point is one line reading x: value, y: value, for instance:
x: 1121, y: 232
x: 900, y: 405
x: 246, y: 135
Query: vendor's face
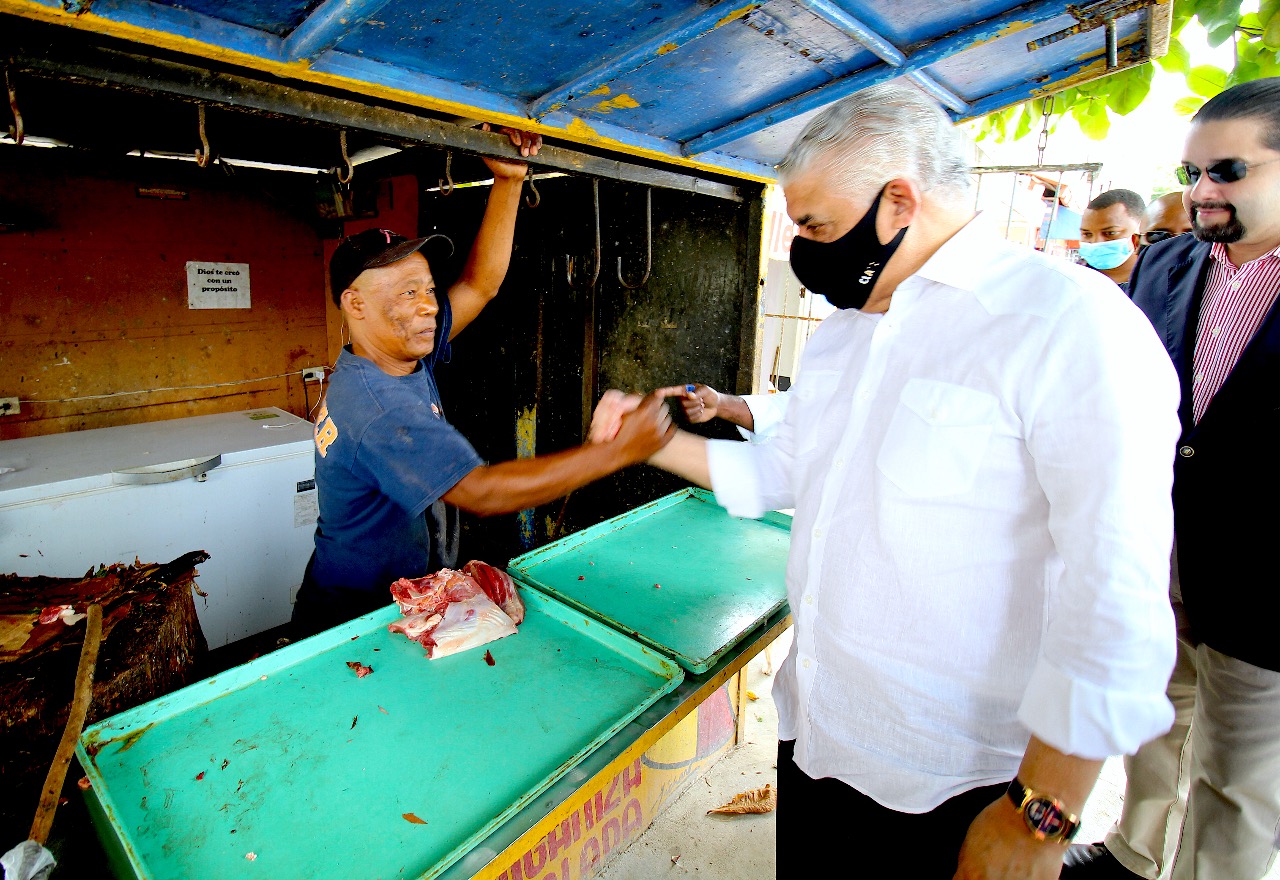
x: 393, y: 313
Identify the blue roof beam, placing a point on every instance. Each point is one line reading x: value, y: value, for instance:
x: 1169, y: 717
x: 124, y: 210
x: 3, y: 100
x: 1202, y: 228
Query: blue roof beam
x: 330, y: 22
x: 931, y: 53
x: 834, y: 13
x: 701, y: 24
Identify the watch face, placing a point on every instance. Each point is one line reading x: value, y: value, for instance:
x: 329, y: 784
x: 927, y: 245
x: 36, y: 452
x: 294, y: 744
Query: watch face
x: 1043, y: 818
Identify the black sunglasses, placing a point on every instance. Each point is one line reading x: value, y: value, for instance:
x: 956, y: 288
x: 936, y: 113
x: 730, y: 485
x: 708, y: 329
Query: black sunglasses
x: 1222, y: 171
x: 1156, y: 236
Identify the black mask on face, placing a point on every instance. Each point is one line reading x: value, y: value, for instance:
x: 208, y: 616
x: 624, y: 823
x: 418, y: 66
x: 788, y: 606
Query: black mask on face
x: 845, y: 270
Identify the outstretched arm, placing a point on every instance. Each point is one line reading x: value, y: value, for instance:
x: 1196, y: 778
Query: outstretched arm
x: 523, y: 483
x: 490, y: 254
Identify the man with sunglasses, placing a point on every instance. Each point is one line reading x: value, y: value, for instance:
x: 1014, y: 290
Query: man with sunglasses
x: 1205, y: 798
x: 1165, y: 218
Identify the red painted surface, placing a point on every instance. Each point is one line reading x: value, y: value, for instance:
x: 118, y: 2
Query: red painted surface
x: 93, y: 297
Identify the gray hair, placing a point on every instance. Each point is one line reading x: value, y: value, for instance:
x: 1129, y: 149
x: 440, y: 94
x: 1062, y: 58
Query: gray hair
x: 877, y: 134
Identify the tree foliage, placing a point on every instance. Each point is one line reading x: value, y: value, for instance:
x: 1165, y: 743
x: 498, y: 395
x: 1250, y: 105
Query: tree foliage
x: 1091, y: 104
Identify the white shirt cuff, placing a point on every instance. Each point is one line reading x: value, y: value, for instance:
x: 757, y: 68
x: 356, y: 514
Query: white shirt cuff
x: 734, y: 478
x: 1082, y: 719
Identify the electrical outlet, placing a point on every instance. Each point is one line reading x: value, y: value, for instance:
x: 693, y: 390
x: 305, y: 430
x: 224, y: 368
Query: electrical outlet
x: 309, y: 374
x: 8, y: 406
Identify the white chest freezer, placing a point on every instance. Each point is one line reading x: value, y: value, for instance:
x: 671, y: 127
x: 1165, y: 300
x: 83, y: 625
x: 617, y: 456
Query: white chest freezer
x: 239, y: 486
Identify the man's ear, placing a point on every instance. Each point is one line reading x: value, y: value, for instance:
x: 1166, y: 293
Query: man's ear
x: 900, y: 205
x: 352, y: 303
x: 1136, y: 241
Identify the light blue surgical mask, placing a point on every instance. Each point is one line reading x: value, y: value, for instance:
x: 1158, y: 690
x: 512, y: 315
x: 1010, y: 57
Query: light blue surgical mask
x: 1106, y: 254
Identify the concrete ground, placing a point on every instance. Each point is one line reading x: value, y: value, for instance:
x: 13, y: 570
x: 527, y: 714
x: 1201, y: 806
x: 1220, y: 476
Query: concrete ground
x: 685, y: 841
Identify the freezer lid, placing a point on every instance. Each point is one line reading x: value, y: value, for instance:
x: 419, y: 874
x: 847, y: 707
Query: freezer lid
x: 77, y: 461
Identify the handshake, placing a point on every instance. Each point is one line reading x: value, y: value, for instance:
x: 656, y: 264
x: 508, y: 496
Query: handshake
x: 700, y: 403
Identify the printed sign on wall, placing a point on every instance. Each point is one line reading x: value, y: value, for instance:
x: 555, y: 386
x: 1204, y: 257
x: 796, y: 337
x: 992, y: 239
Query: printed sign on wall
x: 217, y: 285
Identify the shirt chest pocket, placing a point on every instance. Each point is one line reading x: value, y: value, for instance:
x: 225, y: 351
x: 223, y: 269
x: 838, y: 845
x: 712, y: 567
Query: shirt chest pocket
x: 937, y: 438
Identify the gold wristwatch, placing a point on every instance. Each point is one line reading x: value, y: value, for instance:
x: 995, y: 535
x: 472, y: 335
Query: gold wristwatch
x: 1044, y: 815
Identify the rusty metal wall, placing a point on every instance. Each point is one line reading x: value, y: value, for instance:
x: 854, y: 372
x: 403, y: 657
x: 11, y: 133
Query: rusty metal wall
x: 93, y: 293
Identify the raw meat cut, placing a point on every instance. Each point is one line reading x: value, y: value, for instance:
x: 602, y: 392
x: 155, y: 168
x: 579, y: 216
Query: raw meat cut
x: 499, y: 587
x: 448, y: 612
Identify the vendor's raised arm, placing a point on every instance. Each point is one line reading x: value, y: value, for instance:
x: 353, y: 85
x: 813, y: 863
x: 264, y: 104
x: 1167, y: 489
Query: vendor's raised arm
x: 490, y: 254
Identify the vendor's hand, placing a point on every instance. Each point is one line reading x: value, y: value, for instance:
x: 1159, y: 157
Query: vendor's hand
x: 646, y: 429
x: 999, y: 847
x: 511, y: 169
x: 607, y: 418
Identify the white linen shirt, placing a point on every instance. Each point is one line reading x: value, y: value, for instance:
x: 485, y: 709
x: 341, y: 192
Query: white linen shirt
x: 981, y: 480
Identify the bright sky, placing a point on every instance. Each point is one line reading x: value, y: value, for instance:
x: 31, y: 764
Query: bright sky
x: 1142, y: 148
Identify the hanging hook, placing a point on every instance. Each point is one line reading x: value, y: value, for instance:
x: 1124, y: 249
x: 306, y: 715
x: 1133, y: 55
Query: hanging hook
x: 448, y: 175
x: 17, y: 130
x: 595, y: 273
x: 202, y: 155
x: 537, y: 197
x: 648, y: 244
x: 346, y: 160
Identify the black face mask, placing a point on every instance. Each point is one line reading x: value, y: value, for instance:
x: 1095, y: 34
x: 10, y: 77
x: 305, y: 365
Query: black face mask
x: 845, y: 270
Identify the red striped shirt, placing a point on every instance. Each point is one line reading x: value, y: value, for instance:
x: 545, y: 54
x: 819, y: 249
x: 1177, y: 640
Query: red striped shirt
x: 1236, y: 299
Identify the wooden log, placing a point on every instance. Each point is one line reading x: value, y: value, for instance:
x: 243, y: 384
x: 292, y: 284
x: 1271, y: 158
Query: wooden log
x: 154, y: 647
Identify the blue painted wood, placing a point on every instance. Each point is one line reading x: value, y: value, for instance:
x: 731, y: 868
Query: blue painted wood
x: 651, y: 77
x: 177, y: 22
x: 655, y: 47
x: 328, y: 24
x: 976, y: 34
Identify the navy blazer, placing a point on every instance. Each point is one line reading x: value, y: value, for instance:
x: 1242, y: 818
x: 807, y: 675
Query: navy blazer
x: 1227, y: 469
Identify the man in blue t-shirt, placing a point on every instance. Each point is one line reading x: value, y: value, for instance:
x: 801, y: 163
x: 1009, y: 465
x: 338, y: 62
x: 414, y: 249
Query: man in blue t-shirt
x: 391, y: 472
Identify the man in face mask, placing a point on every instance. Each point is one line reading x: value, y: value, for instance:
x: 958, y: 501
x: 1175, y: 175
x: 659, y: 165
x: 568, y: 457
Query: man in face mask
x: 978, y: 449
x: 1109, y: 234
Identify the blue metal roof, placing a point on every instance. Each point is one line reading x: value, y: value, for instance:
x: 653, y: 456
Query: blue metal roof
x: 721, y: 86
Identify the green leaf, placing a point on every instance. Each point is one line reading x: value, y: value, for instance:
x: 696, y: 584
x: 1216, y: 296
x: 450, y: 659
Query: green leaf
x: 1177, y: 59
x: 1243, y: 72
x: 1268, y: 63
x: 1096, y: 123
x: 1206, y: 80
x: 1188, y: 105
x: 1025, y: 122
x: 1130, y: 88
x: 1271, y: 34
x: 1219, y: 19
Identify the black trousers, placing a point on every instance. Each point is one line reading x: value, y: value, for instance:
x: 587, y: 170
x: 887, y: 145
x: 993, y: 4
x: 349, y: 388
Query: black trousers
x: 826, y: 828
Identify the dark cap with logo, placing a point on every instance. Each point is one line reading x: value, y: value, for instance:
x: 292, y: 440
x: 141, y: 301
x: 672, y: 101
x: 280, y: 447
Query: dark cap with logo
x: 371, y: 249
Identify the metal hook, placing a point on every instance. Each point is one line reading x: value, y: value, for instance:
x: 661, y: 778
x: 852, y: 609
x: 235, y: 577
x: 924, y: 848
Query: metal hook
x: 448, y: 175
x: 351, y: 171
x: 537, y: 197
x: 595, y: 274
x: 648, y: 245
x: 13, y: 105
x: 202, y: 155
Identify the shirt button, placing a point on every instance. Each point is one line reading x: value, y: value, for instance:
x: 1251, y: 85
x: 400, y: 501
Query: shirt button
x: 1216, y: 331
x: 1235, y: 285
x: 839, y: 462
x: 817, y: 533
x: 1186, y: 451
x: 1198, y: 377
x: 806, y: 664
x: 808, y: 600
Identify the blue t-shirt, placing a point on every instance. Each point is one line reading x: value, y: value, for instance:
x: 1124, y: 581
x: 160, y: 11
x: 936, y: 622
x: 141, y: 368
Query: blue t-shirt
x: 384, y: 457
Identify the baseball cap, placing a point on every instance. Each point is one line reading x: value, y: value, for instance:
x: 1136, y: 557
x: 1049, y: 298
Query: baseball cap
x: 371, y: 249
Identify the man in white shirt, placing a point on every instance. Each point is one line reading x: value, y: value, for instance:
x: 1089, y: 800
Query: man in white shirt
x: 978, y: 449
